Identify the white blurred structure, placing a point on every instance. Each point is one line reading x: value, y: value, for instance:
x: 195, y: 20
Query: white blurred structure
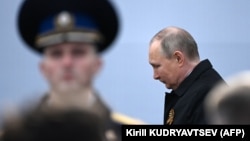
x: 230, y: 103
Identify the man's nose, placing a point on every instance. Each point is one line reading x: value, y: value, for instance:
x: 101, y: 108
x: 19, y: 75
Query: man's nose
x: 156, y: 76
x: 67, y: 60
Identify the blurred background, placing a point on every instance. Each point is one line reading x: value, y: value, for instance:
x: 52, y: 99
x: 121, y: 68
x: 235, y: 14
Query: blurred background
x: 221, y: 29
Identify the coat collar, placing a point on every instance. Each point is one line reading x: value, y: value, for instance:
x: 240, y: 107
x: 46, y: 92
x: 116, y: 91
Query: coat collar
x: 187, y: 82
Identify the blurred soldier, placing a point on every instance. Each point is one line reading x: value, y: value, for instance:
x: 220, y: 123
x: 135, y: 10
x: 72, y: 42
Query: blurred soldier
x: 71, y: 35
x: 54, y: 125
x: 230, y: 104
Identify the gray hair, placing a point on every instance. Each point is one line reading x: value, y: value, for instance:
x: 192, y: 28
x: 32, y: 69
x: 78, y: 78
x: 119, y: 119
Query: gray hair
x: 175, y: 38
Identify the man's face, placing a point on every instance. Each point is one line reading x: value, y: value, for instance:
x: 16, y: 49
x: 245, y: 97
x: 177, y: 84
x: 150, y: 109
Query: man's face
x: 70, y: 66
x: 165, y: 70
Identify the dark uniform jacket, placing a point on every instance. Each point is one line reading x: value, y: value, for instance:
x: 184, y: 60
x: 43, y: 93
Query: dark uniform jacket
x: 185, y: 104
x: 113, y: 128
x: 113, y: 120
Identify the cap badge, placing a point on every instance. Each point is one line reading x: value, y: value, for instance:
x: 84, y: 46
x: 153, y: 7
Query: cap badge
x: 64, y: 21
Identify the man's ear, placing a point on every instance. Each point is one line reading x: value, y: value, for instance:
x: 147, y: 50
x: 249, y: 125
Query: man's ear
x: 98, y: 64
x: 42, y: 68
x: 179, y: 57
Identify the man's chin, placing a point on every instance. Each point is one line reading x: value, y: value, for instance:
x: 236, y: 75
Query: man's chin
x: 168, y: 86
x: 68, y: 88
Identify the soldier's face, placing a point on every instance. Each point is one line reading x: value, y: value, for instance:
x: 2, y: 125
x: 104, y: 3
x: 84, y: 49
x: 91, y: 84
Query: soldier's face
x: 70, y: 66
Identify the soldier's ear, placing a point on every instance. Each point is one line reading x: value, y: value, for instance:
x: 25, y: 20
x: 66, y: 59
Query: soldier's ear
x: 42, y: 68
x: 98, y: 65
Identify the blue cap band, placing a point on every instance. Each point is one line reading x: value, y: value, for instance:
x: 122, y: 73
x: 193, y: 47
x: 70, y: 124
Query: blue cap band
x: 80, y: 22
x: 67, y: 27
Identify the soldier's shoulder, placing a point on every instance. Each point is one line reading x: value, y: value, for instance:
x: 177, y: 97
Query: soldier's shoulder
x: 125, y: 119
x: 1, y: 135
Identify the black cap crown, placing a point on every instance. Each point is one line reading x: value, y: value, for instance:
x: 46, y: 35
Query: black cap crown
x: 34, y: 22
